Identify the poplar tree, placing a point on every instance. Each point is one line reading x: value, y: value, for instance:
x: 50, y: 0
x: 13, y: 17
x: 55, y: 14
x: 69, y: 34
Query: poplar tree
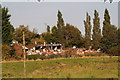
x: 106, y: 31
x: 109, y: 32
x: 96, y: 31
x: 48, y: 28
x: 60, y: 25
x: 7, y: 27
x: 87, y: 25
x: 60, y: 22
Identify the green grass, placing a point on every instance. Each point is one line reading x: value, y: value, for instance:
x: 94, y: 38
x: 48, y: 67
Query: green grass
x: 88, y: 67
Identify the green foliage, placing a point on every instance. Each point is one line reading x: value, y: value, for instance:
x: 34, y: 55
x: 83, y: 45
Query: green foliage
x: 54, y: 56
x: 0, y: 24
x: 37, y: 41
x: 106, y: 24
x: 18, y: 34
x: 67, y: 35
x: 7, y: 27
x: 96, y: 54
x: 60, y: 22
x: 55, y: 34
x: 60, y: 25
x: 71, y: 36
x: 87, y: 26
x: 47, y: 37
x: 108, y: 31
x: 118, y: 36
x: 96, y: 31
x: 48, y: 28
x: 34, y: 57
x: 42, y: 57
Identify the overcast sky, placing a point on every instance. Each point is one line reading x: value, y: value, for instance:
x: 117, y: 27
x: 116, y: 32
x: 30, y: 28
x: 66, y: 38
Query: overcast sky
x: 36, y: 15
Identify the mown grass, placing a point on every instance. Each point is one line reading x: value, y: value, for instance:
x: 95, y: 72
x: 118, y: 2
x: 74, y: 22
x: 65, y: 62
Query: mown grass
x: 87, y: 67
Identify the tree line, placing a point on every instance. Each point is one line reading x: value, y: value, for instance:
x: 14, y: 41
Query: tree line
x: 107, y: 38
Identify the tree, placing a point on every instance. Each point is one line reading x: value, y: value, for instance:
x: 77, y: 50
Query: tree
x: 0, y: 29
x: 7, y: 27
x: 48, y: 28
x: 54, y: 29
x: 37, y: 40
x: 55, y: 34
x: 71, y: 36
x: 19, y: 36
x: 87, y: 26
x: 47, y: 37
x: 96, y: 31
x: 6, y: 51
x: 118, y: 36
x: 108, y: 31
x: 60, y: 22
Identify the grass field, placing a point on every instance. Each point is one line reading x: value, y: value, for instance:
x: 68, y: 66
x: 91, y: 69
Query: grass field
x: 87, y: 67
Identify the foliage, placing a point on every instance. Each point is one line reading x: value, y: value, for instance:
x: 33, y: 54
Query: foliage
x: 118, y: 36
x: 6, y: 52
x: 18, y: 34
x: 48, y: 28
x: 60, y: 22
x: 54, y: 34
x: 7, y: 27
x: 18, y: 51
x: 114, y: 51
x: 34, y: 57
x: 60, y: 25
x: 96, y: 54
x: 96, y: 31
x: 71, y: 36
x: 47, y: 37
x: 67, y: 35
x: 87, y: 26
x: 37, y: 40
x: 108, y: 31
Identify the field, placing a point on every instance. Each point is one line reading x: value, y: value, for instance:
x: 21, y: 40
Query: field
x: 87, y: 67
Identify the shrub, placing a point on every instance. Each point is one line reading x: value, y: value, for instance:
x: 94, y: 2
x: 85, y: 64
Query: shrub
x: 6, y: 52
x: 114, y: 51
x: 96, y: 54
x: 42, y: 57
x: 52, y: 56
x: 34, y: 57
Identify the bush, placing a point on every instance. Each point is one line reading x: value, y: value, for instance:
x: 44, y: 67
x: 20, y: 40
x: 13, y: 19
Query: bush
x: 51, y: 56
x: 6, y: 50
x: 42, y: 57
x: 96, y: 54
x: 114, y: 51
x: 34, y: 57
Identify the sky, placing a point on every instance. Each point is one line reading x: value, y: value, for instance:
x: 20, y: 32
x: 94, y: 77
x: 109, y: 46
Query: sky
x: 38, y: 15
